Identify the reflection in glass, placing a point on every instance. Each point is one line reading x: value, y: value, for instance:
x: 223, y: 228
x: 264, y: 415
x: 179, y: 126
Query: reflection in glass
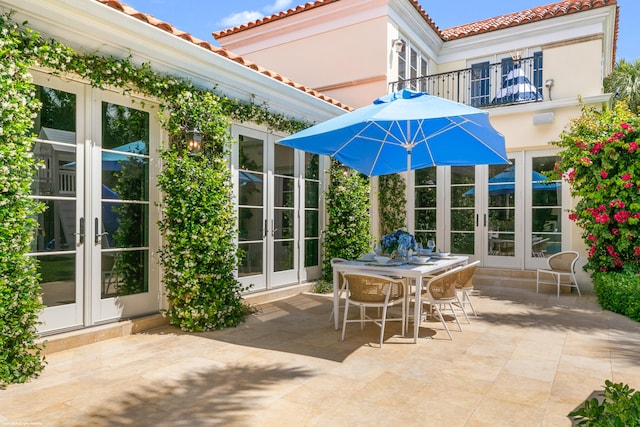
x: 126, y: 223
x: 311, y: 221
x: 283, y: 160
x: 462, y: 209
x: 425, y: 202
x: 129, y: 272
x: 311, y: 166
x: 252, y: 260
x: 250, y: 152
x: 312, y: 194
x: 250, y: 223
x: 546, y: 209
x: 283, y: 255
x: 284, y: 223
x: 57, y: 278
x: 250, y: 192
x: 56, y: 226
x: 311, y: 252
x: 284, y: 192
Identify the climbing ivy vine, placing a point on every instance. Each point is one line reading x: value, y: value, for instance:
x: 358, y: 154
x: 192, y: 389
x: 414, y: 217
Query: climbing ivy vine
x: 201, y: 289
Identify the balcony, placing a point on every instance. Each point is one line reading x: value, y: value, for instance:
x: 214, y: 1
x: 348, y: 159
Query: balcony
x: 484, y: 85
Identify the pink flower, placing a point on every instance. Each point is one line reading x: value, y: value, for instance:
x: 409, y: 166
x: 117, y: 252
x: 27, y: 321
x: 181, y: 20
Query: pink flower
x: 628, y: 184
x: 571, y: 175
x: 618, y: 262
x: 626, y: 176
x: 592, y: 251
x: 615, y: 231
x: 622, y: 216
x: 636, y: 251
x: 633, y: 146
x: 616, y: 204
x: 602, y: 218
x: 597, y: 147
x: 573, y: 217
x: 592, y: 238
x: 627, y: 127
x: 604, y: 174
x: 585, y: 161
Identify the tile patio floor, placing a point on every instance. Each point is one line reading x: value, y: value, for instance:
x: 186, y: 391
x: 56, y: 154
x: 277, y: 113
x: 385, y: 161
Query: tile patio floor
x: 528, y: 360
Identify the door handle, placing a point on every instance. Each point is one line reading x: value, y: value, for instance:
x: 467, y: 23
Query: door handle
x: 266, y: 229
x: 477, y: 220
x: 98, y: 236
x: 80, y: 234
x: 273, y: 229
x: 485, y: 220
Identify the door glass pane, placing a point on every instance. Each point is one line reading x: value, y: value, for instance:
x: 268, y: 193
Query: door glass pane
x: 312, y: 210
x: 546, y: 209
x: 55, y: 185
x: 124, y: 200
x: 462, y: 210
x: 425, y: 202
x: 502, y: 180
x: 252, y: 259
x: 283, y: 160
x: 251, y: 219
x: 57, y: 275
x: 283, y: 255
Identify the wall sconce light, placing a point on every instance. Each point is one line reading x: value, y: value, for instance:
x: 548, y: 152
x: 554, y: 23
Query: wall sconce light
x: 194, y: 140
x: 549, y: 84
x: 397, y: 45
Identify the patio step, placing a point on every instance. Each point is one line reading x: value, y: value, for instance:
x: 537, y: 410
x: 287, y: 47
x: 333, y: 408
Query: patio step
x: 503, y: 277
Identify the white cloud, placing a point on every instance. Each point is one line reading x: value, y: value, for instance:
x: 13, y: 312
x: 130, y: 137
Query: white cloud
x: 277, y: 6
x: 240, y: 18
x: 245, y: 16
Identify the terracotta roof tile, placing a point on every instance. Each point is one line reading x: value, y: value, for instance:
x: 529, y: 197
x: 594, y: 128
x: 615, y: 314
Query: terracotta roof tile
x: 524, y: 17
x: 298, y: 9
x: 165, y: 26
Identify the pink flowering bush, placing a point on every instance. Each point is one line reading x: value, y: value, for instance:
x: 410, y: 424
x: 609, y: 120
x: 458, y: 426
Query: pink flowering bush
x: 601, y: 162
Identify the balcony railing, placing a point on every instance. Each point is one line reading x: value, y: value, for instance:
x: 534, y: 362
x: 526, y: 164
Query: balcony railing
x: 484, y: 84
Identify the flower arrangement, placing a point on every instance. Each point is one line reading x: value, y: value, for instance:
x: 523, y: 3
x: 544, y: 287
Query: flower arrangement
x: 398, y: 241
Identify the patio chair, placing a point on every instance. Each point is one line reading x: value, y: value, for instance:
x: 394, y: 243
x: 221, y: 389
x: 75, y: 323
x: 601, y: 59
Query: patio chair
x: 464, y: 286
x: 441, y: 291
x: 367, y: 290
x: 560, y: 265
x: 341, y: 283
x: 539, y: 248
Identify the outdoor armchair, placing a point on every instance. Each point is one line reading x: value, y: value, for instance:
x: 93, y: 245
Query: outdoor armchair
x: 465, y: 286
x: 561, y: 265
x: 367, y: 290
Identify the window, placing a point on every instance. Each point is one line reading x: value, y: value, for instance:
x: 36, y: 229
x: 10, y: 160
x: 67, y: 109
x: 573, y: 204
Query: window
x: 412, y: 66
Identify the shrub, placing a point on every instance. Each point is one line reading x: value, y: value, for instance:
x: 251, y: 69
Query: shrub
x: 619, y: 406
x: 600, y: 160
x: 348, y: 233
x: 618, y: 292
x: 20, y: 357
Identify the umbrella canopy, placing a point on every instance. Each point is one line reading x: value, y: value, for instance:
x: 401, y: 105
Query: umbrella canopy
x: 403, y: 131
x: 504, y: 183
x: 113, y: 161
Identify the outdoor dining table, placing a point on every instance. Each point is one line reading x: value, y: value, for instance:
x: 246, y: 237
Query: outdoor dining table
x: 405, y: 270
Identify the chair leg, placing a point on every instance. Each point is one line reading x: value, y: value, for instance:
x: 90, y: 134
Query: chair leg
x: 382, y: 324
x: 344, y: 322
x: 442, y: 321
x: 537, y: 281
x: 558, y: 279
x: 455, y: 316
x: 466, y: 299
x: 461, y: 304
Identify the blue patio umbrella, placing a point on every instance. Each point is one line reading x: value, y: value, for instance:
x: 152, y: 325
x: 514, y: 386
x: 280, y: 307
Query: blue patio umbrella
x: 113, y: 161
x: 402, y: 131
x: 504, y: 183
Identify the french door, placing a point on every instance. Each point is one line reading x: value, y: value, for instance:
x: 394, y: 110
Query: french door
x: 93, y: 239
x: 268, y: 210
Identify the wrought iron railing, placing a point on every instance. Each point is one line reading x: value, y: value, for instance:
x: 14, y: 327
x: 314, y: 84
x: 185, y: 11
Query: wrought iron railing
x: 484, y: 84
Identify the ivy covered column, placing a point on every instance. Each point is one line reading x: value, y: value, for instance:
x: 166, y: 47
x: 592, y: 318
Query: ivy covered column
x: 20, y: 305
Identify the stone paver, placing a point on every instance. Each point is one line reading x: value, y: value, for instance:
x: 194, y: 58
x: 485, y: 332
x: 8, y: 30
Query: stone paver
x: 527, y: 360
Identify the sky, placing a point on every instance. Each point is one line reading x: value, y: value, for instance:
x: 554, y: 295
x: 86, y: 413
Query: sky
x: 202, y: 17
